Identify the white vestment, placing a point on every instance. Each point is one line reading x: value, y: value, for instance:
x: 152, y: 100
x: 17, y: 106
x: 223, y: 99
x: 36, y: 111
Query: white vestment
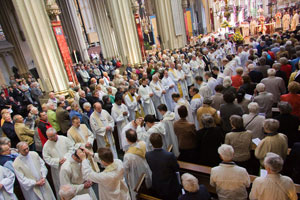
x: 30, y: 169
x: 71, y: 174
x: 158, y: 127
x: 111, y: 184
x: 196, y: 103
x: 186, y: 67
x: 204, y: 90
x: 286, y: 20
x: 158, y: 97
x: 140, y: 131
x: 90, y: 139
x: 7, y: 179
x: 99, y: 122
x: 167, y: 83
x: 53, y: 152
x: 147, y: 103
x: 121, y: 120
x: 295, y: 22
x: 212, y: 83
x: 195, y: 67
x: 183, y: 102
x: 132, y: 106
x: 183, y: 83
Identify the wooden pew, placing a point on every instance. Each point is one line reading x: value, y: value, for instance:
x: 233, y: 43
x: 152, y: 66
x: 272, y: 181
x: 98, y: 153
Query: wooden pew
x: 142, y: 192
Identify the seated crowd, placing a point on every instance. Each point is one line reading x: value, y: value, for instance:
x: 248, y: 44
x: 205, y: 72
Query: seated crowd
x: 233, y: 108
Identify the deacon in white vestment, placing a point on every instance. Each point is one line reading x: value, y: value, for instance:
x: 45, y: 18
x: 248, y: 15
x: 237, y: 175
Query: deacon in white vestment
x: 71, y: 174
x: 7, y: 179
x: 174, y: 75
x: 169, y: 87
x: 55, y: 152
x: 186, y: 67
x: 295, y: 21
x: 31, y: 173
x: 146, y: 93
x: 120, y: 114
x: 211, y: 82
x: 196, y: 103
x: 102, y: 125
x: 168, y: 121
x: 131, y: 101
x: 182, y: 81
x: 195, y: 67
x: 135, y: 163
x: 204, y: 90
x: 154, y: 127
x: 110, y: 182
x: 286, y: 20
x: 182, y: 102
x: 158, y: 94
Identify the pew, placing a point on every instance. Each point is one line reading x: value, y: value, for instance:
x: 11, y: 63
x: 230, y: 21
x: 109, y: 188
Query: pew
x: 142, y: 192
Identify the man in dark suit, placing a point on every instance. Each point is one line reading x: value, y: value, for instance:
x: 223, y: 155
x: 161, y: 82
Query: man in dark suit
x: 8, y: 128
x: 63, y: 118
x: 164, y: 166
x: 82, y: 98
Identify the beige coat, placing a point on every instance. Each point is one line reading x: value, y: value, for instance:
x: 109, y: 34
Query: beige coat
x: 24, y: 133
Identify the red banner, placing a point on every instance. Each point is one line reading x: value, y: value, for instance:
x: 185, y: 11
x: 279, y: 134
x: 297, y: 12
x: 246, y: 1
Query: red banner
x: 140, y: 34
x: 64, y: 50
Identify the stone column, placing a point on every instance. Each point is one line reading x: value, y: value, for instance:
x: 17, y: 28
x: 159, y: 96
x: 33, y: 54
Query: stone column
x: 121, y: 15
x: 72, y: 29
x: 171, y: 25
x: 105, y: 31
x: 37, y: 28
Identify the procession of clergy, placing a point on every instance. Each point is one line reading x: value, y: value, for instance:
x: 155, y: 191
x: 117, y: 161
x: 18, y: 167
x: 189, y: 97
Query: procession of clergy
x: 144, y: 113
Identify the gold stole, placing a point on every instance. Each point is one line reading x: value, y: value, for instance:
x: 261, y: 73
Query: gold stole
x: 140, y: 110
x: 78, y: 139
x: 196, y: 96
x: 178, y: 84
x: 99, y: 122
x: 111, y: 167
x: 138, y: 151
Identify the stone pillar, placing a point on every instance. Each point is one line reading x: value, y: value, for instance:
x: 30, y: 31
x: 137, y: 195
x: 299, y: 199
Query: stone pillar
x: 105, y: 31
x: 121, y: 15
x: 37, y: 28
x: 171, y: 25
x: 72, y: 29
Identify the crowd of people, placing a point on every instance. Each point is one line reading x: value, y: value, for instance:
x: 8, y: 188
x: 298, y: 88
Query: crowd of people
x: 235, y: 108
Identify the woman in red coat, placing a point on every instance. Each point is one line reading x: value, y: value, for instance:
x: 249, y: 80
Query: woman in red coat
x: 285, y: 67
x: 293, y: 98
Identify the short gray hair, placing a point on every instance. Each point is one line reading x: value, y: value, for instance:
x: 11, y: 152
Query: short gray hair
x: 51, y: 130
x: 20, y: 144
x: 253, y: 107
x: 227, y: 81
x: 207, y: 100
x: 283, y: 60
x: 260, y: 87
x: 226, y: 152
x: 285, y: 107
x: 86, y: 104
x: 271, y: 72
x: 67, y: 192
x: 276, y: 66
x: 190, y: 182
x: 271, y: 125
x: 207, y: 121
x: 274, y: 162
x: 4, y: 140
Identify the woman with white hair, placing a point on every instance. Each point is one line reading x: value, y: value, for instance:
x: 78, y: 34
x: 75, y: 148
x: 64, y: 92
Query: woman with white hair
x: 253, y: 121
x: 193, y: 189
x: 229, y: 179
x: 273, y: 142
x: 274, y: 186
x: 227, y: 85
x: 264, y: 100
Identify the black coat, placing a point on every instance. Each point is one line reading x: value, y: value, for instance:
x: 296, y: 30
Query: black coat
x: 9, y: 130
x: 256, y: 76
x: 164, y: 166
x: 201, y: 194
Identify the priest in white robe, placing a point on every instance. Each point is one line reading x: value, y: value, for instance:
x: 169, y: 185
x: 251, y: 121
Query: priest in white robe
x: 102, y: 125
x: 182, y: 102
x: 146, y: 94
x: 110, y: 182
x: 71, y: 174
x: 120, y: 114
x: 295, y: 21
x: 55, y: 152
x: 195, y: 67
x: 158, y: 93
x: 7, y: 180
x: 196, y: 103
x: 135, y: 163
x: 204, y: 90
x: 182, y: 81
x: 169, y: 87
x: 173, y: 74
x: 31, y: 173
x: 211, y: 82
x: 168, y: 121
x: 186, y: 67
x: 286, y: 20
x: 131, y: 100
x: 154, y: 127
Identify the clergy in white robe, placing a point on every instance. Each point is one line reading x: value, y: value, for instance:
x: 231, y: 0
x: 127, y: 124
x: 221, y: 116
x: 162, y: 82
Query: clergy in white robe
x: 295, y: 21
x: 204, y: 90
x: 195, y: 67
x: 158, y: 94
x: 131, y: 100
x: 110, y: 182
x: 169, y: 87
x: 196, y: 103
x: 182, y: 81
x: 186, y: 67
x: 146, y: 94
x: 135, y: 163
x: 55, y: 152
x: 120, y: 114
x: 7, y: 179
x: 286, y: 20
x: 71, y: 174
x: 31, y: 173
x: 168, y: 121
x: 182, y: 102
x: 211, y: 82
x: 154, y: 127
x: 102, y: 125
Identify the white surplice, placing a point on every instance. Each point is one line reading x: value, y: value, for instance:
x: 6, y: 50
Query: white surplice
x: 140, y: 131
x: 195, y: 67
x: 71, y: 174
x: 183, y: 102
x: 99, y: 122
x: 159, y: 128
x: 158, y: 97
x: 121, y: 120
x: 53, y: 152
x: 7, y: 179
x: 167, y: 83
x: 30, y: 169
x: 148, y: 106
x: 132, y: 106
x: 186, y: 67
x: 196, y: 103
x: 181, y: 76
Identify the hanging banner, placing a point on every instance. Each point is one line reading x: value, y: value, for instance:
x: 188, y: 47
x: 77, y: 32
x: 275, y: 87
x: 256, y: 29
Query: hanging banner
x: 177, y: 17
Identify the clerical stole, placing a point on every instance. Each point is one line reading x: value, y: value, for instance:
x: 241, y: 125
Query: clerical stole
x: 99, y: 122
x: 140, y: 111
x: 178, y: 83
x: 138, y: 151
x: 196, y: 96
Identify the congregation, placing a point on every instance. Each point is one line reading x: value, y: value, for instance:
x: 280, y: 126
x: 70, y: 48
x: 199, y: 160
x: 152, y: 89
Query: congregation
x: 232, y: 107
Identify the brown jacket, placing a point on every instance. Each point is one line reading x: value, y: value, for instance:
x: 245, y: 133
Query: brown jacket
x: 63, y: 119
x: 186, y: 134
x: 24, y: 133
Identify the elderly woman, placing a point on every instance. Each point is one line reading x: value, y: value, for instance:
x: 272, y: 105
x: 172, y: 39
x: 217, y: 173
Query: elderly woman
x: 253, y: 121
x: 242, y: 101
x: 193, y: 189
x: 210, y: 137
x: 237, y: 79
x: 229, y: 179
x: 274, y: 185
x: 227, y: 85
x: 285, y: 66
x: 75, y: 111
x: 273, y: 142
x: 87, y: 109
x: 207, y: 109
x: 240, y: 139
x: 289, y: 123
x: 293, y: 97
